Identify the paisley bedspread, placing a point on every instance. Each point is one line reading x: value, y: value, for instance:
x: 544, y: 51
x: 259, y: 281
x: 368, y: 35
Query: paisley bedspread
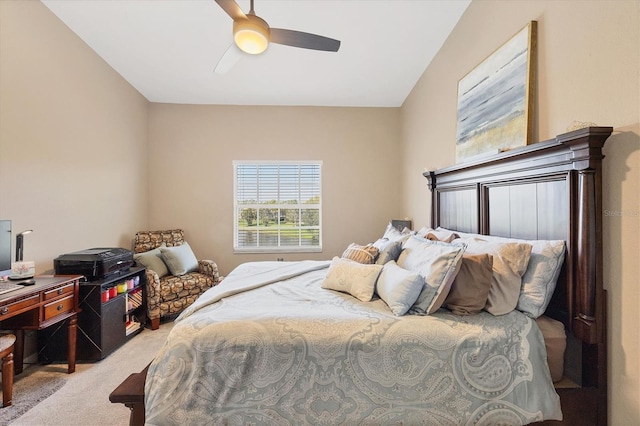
x: 270, y: 346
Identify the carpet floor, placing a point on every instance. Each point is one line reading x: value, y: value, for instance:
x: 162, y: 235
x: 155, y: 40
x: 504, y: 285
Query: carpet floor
x: 82, y: 398
x: 30, y: 388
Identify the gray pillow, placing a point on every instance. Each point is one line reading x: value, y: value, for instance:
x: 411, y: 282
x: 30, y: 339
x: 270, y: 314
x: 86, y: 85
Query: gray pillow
x: 152, y: 259
x: 180, y: 259
x: 438, y: 263
x: 389, y: 250
x: 398, y: 287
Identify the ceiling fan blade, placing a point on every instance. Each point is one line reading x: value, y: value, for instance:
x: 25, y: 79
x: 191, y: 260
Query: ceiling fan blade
x: 304, y: 40
x: 232, y: 9
x: 228, y: 59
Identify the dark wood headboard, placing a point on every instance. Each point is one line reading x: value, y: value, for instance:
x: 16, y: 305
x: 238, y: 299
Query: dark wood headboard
x: 550, y: 190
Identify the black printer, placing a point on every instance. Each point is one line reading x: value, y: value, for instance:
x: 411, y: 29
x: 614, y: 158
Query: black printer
x: 94, y: 263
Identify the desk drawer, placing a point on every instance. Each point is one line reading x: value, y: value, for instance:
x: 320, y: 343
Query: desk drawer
x: 19, y: 305
x: 58, y: 307
x: 60, y: 291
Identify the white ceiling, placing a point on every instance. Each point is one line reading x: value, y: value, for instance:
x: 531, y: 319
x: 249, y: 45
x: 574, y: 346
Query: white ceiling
x: 168, y: 49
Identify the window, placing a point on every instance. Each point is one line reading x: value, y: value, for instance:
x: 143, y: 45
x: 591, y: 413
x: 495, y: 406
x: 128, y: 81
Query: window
x: 277, y: 206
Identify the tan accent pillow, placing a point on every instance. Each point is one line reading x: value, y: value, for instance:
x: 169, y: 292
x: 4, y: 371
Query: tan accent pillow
x: 510, y: 262
x: 470, y: 289
x: 540, y: 279
x: 361, y: 254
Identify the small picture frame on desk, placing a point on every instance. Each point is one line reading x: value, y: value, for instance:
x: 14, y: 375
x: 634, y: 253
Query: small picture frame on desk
x: 22, y: 270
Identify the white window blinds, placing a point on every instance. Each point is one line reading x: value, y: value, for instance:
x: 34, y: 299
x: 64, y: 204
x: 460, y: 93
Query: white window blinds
x: 277, y: 206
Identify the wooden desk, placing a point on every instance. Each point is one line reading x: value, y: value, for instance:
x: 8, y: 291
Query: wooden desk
x: 50, y: 300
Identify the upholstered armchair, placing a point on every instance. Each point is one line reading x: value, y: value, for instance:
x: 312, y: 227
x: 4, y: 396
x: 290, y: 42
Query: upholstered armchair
x: 175, y: 279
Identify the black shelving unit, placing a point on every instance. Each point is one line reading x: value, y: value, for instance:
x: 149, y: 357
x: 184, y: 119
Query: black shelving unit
x: 102, y: 326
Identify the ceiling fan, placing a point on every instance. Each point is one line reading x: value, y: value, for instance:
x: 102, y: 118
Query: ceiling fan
x: 252, y: 34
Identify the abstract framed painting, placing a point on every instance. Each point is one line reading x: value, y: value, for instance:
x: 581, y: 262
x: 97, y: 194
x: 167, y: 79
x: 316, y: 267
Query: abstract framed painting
x: 495, y: 99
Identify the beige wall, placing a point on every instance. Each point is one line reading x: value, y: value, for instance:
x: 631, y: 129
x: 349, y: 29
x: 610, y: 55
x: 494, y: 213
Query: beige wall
x: 73, y: 139
x: 588, y: 70
x: 192, y: 148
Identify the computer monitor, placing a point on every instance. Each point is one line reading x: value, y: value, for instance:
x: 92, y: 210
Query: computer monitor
x: 5, y: 248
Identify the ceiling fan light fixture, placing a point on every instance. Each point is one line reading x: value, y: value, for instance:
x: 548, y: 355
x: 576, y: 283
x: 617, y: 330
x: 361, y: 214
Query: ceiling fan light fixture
x: 251, y: 35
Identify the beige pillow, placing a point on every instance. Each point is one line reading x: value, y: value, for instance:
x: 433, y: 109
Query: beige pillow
x: 357, y: 279
x: 510, y: 261
x: 470, y: 289
x: 540, y: 278
x: 361, y: 254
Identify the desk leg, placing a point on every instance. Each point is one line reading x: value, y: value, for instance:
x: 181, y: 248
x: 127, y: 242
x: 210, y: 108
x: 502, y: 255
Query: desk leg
x: 73, y: 330
x: 7, y: 380
x: 18, y: 352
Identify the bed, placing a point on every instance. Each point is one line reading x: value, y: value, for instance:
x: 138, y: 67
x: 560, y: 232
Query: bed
x: 306, y: 343
x: 548, y: 190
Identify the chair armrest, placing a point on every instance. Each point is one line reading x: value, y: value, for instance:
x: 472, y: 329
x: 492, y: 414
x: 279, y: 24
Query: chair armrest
x: 153, y: 294
x: 210, y: 268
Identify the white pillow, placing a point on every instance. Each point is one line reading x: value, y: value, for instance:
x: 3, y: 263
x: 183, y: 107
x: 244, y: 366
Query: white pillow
x: 347, y: 276
x: 437, y: 263
x: 540, y: 279
x: 179, y: 259
x: 437, y: 234
x: 393, y: 234
x: 510, y: 260
x: 398, y: 287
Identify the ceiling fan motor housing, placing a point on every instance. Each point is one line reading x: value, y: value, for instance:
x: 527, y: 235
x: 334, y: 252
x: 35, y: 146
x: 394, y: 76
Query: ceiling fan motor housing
x: 252, y: 34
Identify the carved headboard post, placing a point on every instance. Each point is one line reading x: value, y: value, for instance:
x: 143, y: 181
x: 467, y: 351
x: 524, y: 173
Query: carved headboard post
x: 587, y: 231
x: 431, y: 177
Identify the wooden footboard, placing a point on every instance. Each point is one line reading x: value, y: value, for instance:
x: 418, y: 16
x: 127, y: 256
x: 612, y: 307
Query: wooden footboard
x: 131, y: 393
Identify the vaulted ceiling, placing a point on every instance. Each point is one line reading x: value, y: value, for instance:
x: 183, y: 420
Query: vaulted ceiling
x: 168, y: 49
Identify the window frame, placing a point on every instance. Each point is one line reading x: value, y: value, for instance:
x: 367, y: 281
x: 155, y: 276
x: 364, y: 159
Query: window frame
x: 257, y: 205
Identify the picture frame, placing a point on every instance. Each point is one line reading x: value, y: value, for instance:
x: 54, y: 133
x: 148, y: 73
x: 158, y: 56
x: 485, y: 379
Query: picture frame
x: 495, y: 99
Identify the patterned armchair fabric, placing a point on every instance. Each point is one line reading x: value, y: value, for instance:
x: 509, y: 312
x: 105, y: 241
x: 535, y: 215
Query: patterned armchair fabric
x: 171, y: 294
